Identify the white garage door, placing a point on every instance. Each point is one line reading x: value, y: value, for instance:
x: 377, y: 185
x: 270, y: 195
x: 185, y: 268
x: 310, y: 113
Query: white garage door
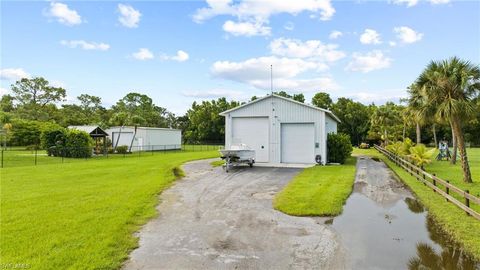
x: 298, y: 143
x: 254, y: 133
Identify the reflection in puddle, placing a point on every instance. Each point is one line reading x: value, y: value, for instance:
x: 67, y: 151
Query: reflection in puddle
x: 451, y: 256
x: 384, y: 227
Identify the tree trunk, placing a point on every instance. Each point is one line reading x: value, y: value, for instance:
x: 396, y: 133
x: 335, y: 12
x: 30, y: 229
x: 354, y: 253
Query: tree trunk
x: 435, y: 136
x: 467, y: 176
x: 386, y: 137
x: 131, y: 143
x: 118, y: 138
x: 404, y: 131
x: 419, y: 135
x: 453, y: 159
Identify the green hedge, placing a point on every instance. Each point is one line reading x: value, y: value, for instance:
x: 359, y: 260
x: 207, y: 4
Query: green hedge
x: 339, y: 147
x: 78, y: 144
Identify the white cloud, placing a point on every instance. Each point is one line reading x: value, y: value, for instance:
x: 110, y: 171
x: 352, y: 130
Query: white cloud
x: 392, y: 43
x: 335, y: 34
x: 181, y: 56
x: 143, y: 54
x: 370, y: 36
x: 64, y: 14
x: 409, y: 3
x: 309, y: 49
x: 389, y: 95
x: 246, y: 28
x: 289, y: 26
x: 253, y: 14
x: 368, y: 62
x: 85, y: 45
x: 439, y: 2
x: 4, y: 91
x: 13, y: 74
x: 407, y: 35
x: 129, y: 17
x: 256, y: 72
x: 263, y: 9
x: 215, y: 93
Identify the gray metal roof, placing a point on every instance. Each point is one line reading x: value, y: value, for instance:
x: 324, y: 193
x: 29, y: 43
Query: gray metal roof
x: 284, y: 98
x: 92, y: 130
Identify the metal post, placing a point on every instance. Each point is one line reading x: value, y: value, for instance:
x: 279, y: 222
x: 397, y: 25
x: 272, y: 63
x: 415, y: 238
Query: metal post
x: 35, y: 155
x: 2, y: 158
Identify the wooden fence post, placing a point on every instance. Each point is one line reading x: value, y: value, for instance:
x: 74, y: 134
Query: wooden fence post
x: 467, y: 200
x: 447, y: 189
x: 434, y: 183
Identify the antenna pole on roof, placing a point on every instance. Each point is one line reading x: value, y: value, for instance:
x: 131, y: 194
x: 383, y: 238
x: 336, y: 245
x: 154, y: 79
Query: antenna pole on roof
x: 271, y: 79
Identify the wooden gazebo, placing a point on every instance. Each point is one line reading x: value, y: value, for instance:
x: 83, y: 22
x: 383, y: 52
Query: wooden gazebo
x: 96, y: 133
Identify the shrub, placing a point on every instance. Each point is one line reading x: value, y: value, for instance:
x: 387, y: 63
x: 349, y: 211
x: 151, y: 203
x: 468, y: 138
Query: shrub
x: 420, y: 155
x: 122, y: 149
x: 53, y: 140
x: 78, y: 144
x: 339, y: 147
x: 364, y: 146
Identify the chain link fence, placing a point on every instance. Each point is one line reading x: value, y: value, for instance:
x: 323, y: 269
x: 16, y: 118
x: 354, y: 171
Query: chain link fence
x: 33, y: 156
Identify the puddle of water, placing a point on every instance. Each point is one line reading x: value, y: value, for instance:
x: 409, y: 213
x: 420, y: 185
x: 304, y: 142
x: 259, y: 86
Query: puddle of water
x: 384, y: 227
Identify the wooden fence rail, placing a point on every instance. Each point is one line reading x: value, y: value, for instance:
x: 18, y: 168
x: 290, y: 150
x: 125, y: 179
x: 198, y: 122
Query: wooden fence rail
x: 424, y: 177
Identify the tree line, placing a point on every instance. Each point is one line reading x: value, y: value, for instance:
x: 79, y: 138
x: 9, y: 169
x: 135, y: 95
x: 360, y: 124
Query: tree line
x: 34, y: 102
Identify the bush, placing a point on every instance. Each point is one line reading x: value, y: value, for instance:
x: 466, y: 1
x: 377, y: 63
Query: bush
x: 122, y: 149
x: 364, y: 146
x: 53, y: 140
x: 339, y: 147
x: 78, y: 144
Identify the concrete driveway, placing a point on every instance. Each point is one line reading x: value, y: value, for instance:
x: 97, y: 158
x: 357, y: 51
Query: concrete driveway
x: 214, y: 220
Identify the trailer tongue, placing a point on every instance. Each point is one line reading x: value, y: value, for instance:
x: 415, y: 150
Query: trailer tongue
x: 236, y: 155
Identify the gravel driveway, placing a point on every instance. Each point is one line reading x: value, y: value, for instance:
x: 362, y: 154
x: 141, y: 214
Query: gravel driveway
x: 211, y: 219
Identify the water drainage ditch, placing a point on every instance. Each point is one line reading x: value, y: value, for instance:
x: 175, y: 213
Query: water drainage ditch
x: 383, y: 226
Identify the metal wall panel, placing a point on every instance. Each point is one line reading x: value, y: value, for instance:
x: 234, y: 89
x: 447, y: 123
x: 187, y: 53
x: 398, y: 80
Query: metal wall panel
x: 281, y: 111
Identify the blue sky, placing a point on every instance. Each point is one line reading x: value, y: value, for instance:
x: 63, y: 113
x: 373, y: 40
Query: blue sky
x: 178, y: 52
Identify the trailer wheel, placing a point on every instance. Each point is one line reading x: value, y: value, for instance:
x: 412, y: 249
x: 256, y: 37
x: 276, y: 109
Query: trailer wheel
x: 250, y: 164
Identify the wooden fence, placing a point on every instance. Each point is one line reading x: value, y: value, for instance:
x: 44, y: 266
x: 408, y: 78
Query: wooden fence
x: 433, y: 182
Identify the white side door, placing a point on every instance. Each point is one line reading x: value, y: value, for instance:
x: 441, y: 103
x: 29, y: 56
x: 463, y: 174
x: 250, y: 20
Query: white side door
x: 254, y: 132
x: 298, y: 143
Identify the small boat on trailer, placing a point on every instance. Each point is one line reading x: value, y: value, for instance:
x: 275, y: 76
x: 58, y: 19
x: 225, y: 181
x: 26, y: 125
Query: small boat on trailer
x: 236, y: 155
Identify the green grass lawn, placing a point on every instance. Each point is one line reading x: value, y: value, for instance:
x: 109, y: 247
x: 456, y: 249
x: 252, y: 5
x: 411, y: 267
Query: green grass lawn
x: 317, y: 191
x: 19, y: 157
x: 464, y: 229
x: 81, y: 215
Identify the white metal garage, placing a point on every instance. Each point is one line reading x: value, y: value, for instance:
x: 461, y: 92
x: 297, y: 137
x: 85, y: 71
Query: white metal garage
x: 280, y: 130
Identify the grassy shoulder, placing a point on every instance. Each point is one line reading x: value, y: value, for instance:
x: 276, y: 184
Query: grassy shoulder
x: 217, y: 163
x: 464, y: 229
x: 82, y: 215
x: 317, y: 191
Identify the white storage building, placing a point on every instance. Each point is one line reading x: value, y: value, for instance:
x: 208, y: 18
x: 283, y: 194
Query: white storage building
x: 280, y: 130
x: 146, y: 138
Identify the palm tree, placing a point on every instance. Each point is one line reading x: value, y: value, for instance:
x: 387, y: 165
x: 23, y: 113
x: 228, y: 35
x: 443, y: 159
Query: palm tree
x: 417, y: 109
x: 386, y: 118
x: 449, y: 86
x: 421, y: 155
